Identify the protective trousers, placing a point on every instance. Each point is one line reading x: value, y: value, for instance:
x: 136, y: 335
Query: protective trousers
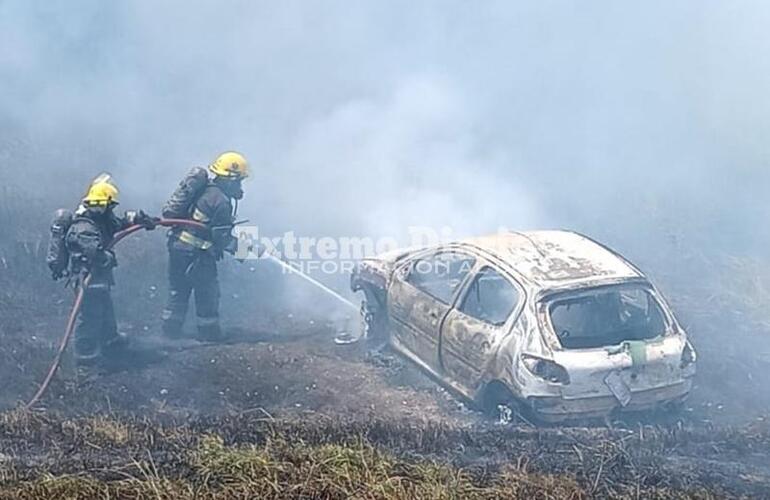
x: 96, y: 329
x: 192, y: 272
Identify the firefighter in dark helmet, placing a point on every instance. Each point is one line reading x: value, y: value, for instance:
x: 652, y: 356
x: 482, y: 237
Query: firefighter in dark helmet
x: 86, y: 241
x: 193, y: 253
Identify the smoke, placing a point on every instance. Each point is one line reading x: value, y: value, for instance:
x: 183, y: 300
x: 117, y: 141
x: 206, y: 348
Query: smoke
x: 630, y: 122
x: 410, y: 158
x: 372, y: 117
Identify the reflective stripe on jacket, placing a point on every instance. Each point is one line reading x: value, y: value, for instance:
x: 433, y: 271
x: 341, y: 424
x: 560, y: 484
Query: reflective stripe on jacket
x: 215, y: 209
x: 192, y: 240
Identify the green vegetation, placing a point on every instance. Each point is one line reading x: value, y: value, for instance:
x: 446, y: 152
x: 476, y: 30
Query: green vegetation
x: 113, y: 458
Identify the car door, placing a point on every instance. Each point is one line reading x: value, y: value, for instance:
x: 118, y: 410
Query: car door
x: 473, y: 330
x: 421, y: 294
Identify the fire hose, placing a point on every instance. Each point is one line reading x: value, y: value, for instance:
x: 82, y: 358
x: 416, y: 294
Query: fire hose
x: 79, y: 301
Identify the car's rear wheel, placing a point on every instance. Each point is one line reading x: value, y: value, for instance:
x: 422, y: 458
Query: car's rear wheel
x: 498, y: 402
x: 671, y: 411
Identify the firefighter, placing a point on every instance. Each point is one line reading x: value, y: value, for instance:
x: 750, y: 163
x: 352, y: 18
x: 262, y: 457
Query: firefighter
x: 193, y: 253
x: 92, y: 228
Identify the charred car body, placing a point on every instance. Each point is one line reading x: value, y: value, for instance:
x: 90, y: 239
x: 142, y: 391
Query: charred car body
x: 550, y: 321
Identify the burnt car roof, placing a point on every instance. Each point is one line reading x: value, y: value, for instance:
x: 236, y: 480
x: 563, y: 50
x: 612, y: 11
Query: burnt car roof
x: 553, y: 259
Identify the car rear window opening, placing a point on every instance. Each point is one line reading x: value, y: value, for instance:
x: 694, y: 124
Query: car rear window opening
x: 607, y: 317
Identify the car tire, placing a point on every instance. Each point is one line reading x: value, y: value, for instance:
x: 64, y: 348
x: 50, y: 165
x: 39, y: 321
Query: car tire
x: 495, y: 396
x: 673, y: 410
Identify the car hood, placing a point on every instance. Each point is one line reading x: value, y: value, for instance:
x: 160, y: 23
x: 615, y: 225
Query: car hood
x: 384, y: 263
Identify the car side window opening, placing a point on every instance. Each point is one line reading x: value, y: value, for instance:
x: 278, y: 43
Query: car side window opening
x: 440, y: 274
x: 490, y: 298
x: 607, y: 318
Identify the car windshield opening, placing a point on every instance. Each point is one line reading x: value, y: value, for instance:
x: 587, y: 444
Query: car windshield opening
x: 607, y: 317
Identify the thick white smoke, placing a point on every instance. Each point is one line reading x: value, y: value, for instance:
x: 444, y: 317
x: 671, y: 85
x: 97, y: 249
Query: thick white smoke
x: 368, y: 117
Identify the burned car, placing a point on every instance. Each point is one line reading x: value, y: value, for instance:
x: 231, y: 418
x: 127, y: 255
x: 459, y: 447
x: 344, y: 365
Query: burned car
x: 549, y: 322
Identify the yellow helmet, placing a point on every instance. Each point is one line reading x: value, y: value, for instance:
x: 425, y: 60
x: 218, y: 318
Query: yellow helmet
x: 230, y: 164
x: 102, y: 192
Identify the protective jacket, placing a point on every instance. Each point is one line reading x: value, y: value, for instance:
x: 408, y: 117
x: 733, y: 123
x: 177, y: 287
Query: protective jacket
x: 215, y: 209
x: 87, y: 240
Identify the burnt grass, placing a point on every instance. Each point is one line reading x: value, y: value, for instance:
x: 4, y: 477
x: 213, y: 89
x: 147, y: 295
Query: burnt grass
x: 281, y: 412
x: 249, y: 456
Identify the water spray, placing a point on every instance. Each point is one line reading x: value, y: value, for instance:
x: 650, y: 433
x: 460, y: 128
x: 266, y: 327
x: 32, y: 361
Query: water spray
x: 342, y: 338
x: 289, y: 267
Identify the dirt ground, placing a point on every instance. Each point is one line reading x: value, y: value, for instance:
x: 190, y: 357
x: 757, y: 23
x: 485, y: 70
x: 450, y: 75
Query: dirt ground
x: 281, y: 372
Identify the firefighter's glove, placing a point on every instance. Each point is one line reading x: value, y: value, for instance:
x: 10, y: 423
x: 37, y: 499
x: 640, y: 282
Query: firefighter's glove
x: 146, y: 221
x: 108, y: 259
x: 59, y: 274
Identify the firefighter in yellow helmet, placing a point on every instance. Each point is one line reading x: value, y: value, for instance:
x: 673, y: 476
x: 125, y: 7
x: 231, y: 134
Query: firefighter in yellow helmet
x: 86, y: 240
x: 193, y: 253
